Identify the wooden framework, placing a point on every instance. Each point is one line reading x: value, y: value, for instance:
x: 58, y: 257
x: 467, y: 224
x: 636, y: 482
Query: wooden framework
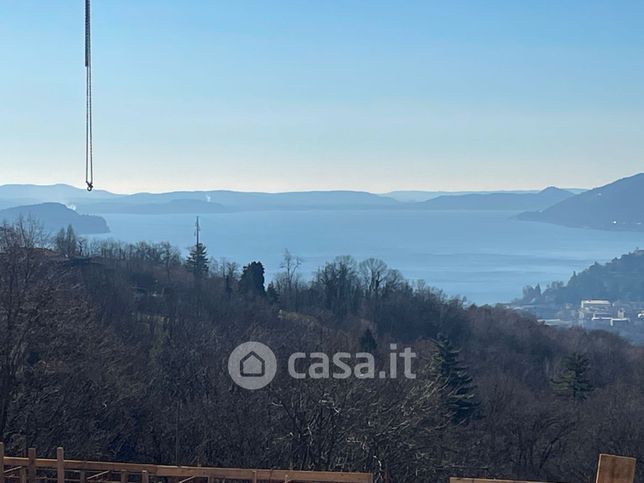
x: 60, y: 470
x: 31, y: 469
x: 615, y: 469
x: 483, y: 480
x: 611, y: 469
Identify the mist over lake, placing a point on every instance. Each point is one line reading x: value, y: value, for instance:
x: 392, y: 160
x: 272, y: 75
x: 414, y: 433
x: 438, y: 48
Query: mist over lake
x: 486, y: 257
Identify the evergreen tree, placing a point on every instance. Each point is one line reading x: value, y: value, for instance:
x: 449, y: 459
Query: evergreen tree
x: 252, y: 279
x: 197, y: 262
x: 368, y: 342
x: 574, y: 383
x: 455, y: 381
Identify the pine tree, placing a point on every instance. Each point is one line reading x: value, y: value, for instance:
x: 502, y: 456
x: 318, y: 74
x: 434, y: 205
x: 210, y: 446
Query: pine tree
x: 455, y: 381
x: 197, y: 262
x: 252, y: 279
x: 574, y: 382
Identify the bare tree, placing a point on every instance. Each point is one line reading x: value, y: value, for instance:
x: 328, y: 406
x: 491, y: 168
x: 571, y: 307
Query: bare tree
x: 288, y: 282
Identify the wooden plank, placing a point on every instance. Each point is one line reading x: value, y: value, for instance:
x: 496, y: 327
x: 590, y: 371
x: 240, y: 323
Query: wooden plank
x: 196, y: 471
x: 145, y: 477
x: 31, y: 466
x: 483, y: 480
x: 615, y: 469
x: 60, y: 465
x: 98, y: 476
x: 1, y: 462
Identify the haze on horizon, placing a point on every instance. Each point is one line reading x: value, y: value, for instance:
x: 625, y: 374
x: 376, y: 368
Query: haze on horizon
x: 288, y: 95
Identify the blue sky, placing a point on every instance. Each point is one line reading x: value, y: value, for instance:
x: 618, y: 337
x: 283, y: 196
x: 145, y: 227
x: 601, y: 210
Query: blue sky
x: 291, y: 95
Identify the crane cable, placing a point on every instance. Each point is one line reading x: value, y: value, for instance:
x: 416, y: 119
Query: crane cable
x: 89, y: 155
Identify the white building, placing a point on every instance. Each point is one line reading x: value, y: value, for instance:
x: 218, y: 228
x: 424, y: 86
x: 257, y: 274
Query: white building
x: 596, y: 309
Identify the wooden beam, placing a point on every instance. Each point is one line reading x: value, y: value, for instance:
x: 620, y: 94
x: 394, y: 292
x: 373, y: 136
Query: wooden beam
x: 615, y: 469
x: 98, y: 476
x: 60, y: 465
x: 31, y: 466
x: 483, y: 480
x: 1, y: 462
x: 183, y: 472
x: 145, y: 478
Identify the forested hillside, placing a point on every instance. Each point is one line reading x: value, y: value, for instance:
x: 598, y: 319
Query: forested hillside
x: 615, y: 206
x: 119, y: 352
x: 620, y: 279
x: 55, y: 216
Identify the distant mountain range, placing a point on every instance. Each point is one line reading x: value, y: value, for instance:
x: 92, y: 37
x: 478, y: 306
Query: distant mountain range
x: 222, y: 200
x: 414, y: 196
x: 218, y: 201
x: 55, y: 216
x: 411, y: 196
x: 21, y: 194
x: 616, y: 206
x: 499, y: 201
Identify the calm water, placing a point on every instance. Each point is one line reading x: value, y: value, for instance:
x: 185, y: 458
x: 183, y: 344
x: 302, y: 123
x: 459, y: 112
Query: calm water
x: 485, y: 256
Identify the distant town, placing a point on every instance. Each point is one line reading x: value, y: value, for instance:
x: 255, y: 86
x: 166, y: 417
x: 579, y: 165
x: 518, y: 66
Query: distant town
x: 607, y: 297
x: 625, y: 319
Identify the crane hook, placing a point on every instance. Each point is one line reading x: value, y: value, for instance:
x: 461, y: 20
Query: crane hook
x: 89, y: 155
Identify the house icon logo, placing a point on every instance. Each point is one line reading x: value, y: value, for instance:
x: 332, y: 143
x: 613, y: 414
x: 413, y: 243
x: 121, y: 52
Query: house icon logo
x: 252, y: 365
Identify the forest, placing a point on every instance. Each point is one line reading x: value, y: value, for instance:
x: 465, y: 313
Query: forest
x: 118, y: 351
x: 620, y: 279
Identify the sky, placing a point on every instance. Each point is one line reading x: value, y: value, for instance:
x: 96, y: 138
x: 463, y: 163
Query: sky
x: 372, y: 95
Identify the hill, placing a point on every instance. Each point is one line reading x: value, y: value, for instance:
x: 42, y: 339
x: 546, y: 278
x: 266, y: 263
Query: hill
x: 55, y: 216
x: 224, y: 200
x: 23, y: 194
x: 616, y: 206
x: 188, y: 201
x: 214, y: 201
x: 412, y: 196
x: 162, y: 208
x: 124, y: 352
x: 620, y: 279
x: 499, y: 201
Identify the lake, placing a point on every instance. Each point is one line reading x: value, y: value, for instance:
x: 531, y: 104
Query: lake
x: 487, y: 257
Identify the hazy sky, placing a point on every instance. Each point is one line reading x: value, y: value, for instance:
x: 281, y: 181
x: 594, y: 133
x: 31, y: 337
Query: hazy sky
x: 289, y: 95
